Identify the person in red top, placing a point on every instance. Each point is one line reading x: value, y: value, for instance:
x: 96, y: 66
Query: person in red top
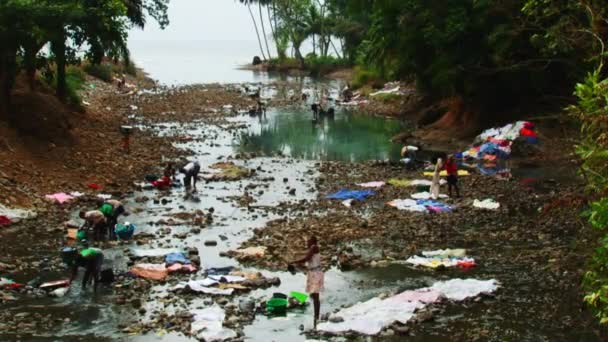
x: 452, y: 170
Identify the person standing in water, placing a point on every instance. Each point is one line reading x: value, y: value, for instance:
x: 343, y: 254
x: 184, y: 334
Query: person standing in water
x: 435, y: 183
x: 190, y: 172
x: 314, y: 275
x: 452, y: 170
x: 91, y: 259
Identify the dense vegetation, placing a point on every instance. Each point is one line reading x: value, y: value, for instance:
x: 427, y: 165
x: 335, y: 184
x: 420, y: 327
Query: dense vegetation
x: 67, y: 26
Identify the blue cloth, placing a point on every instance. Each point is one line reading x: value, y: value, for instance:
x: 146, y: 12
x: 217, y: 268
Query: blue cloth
x: 176, y: 258
x: 345, y: 194
x: 220, y: 270
x: 488, y: 148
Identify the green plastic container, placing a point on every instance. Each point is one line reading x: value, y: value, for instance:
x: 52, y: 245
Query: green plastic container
x: 81, y: 235
x: 301, y: 297
x: 276, y: 306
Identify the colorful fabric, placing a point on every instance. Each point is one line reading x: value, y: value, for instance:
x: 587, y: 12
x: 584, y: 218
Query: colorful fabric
x: 5, y: 221
x: 60, y: 197
x: 176, y: 258
x: 444, y: 173
x: 163, y: 182
x: 348, y: 194
x: 150, y: 271
x: 400, y: 182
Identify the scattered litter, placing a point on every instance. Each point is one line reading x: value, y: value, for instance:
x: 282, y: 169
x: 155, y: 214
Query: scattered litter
x: 104, y: 196
x: 370, y: 317
x: 60, y: 292
x: 394, y: 90
x: 351, y: 194
x: 150, y: 271
x: 376, y: 184
x: 60, y: 197
x: 486, y: 204
x: 55, y: 284
x: 76, y: 194
x: 208, y: 324
x: 415, y: 182
x: 434, y: 262
x: 227, y: 278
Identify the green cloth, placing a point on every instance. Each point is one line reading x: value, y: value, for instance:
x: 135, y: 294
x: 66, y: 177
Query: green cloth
x: 80, y: 235
x: 399, y: 182
x: 107, y: 209
x: 90, y: 252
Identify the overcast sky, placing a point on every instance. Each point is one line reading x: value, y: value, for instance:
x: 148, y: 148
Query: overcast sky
x: 202, y: 20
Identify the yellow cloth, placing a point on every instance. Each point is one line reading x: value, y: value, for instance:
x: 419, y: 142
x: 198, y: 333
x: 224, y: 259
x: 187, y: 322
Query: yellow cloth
x: 444, y: 173
x: 399, y: 182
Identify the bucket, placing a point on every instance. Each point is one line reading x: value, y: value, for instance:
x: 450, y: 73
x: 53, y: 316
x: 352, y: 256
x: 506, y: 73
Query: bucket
x: 301, y: 297
x: 68, y: 255
x: 276, y: 306
x: 81, y: 235
x: 124, y: 231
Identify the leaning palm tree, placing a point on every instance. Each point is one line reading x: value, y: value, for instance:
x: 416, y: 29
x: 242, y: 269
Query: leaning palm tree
x: 257, y: 32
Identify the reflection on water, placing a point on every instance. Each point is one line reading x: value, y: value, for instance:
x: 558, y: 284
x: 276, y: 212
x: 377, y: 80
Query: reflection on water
x: 346, y: 137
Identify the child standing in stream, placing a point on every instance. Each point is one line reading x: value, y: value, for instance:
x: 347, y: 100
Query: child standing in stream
x: 314, y: 275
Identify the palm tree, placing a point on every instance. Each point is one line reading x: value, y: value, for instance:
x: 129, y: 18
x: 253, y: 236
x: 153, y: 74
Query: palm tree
x: 263, y: 29
x: 255, y: 25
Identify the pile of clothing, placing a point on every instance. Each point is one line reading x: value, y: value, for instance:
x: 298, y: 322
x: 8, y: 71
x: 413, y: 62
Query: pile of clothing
x: 495, y: 143
x: 442, y: 257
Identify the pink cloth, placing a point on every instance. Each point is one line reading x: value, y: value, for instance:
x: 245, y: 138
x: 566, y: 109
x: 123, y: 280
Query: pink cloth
x: 60, y: 197
x: 181, y: 268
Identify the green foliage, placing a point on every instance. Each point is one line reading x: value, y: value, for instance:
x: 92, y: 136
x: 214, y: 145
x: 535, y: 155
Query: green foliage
x: 592, y: 111
x: 102, y: 71
x: 319, y: 65
x: 363, y: 77
x: 75, y: 79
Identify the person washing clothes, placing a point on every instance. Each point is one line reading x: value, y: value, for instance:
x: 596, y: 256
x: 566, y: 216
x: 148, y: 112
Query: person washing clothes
x: 111, y: 209
x: 91, y: 259
x: 190, y: 172
x: 169, y: 171
x: 314, y: 275
x: 408, y: 153
x: 96, y: 220
x: 451, y: 168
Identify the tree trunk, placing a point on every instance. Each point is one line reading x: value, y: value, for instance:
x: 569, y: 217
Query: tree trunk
x: 264, y: 30
x: 8, y: 71
x: 314, y: 49
x: 29, y: 59
x: 58, y: 47
x: 256, y: 31
x: 335, y: 50
x: 298, y: 54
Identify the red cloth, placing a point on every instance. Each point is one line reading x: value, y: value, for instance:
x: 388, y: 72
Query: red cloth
x: 528, y: 125
x: 162, y: 183
x: 94, y: 186
x: 5, y: 221
x: 525, y: 132
x: 451, y: 168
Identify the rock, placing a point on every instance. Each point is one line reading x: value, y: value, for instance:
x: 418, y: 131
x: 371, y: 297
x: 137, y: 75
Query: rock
x: 210, y: 243
x: 336, y: 319
x: 256, y: 60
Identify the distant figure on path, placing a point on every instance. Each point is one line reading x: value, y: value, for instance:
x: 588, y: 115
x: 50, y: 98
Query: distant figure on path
x: 452, y: 170
x: 314, y: 275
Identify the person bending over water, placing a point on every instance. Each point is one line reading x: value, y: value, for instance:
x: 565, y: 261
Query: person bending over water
x: 314, y: 275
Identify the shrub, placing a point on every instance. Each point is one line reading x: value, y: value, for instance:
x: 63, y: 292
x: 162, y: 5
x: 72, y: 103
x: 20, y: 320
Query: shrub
x: 102, y: 71
x: 363, y: 77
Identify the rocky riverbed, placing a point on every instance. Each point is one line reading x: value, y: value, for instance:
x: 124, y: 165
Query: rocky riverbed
x: 537, y: 251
